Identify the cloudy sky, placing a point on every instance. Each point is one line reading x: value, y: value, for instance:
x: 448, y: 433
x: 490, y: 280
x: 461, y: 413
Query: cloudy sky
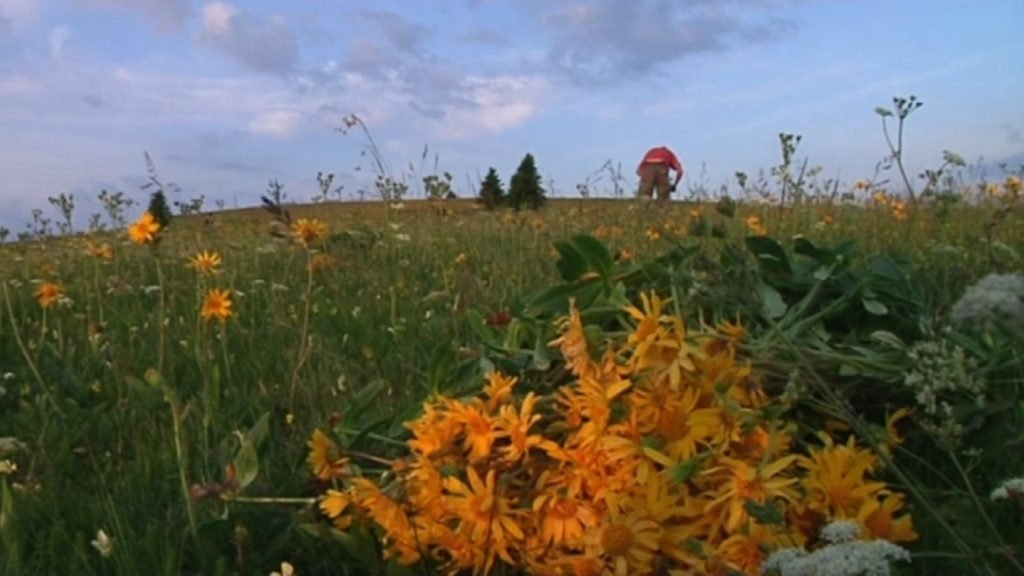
x: 226, y: 96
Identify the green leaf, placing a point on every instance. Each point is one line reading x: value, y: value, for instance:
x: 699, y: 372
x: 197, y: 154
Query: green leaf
x: 805, y: 247
x: 247, y: 463
x: 875, y: 307
x: 594, y: 253
x: 771, y: 256
x: 886, y: 337
x: 682, y: 472
x: 769, y: 513
x: 571, y: 263
x: 774, y: 306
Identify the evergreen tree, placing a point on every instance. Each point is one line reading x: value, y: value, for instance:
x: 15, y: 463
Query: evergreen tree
x: 524, y: 188
x: 492, y: 192
x: 159, y: 209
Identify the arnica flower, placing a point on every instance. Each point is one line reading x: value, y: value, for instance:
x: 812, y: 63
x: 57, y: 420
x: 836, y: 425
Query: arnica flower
x: 217, y: 305
x: 101, y: 251
x: 461, y: 258
x: 324, y: 458
x: 144, y: 230
x: 755, y: 226
x: 206, y: 262
x: 308, y: 231
x: 48, y: 294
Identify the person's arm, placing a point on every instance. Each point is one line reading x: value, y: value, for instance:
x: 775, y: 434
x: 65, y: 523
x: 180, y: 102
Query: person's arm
x: 678, y: 167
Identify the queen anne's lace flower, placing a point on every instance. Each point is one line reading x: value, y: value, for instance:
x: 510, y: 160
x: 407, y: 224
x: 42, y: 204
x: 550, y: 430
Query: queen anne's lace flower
x: 997, y: 299
x: 844, y: 555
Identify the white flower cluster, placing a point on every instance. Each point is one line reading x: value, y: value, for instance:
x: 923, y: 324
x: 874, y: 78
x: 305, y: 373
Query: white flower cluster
x: 997, y: 299
x: 844, y: 555
x: 941, y: 377
x: 1013, y: 487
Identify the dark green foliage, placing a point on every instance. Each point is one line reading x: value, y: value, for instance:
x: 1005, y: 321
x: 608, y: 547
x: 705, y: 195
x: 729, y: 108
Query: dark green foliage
x: 492, y: 191
x: 524, y: 188
x: 159, y: 209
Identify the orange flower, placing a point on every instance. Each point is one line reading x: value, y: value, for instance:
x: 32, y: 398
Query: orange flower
x: 206, y: 262
x: 324, y: 457
x: 144, y: 230
x: 755, y: 226
x: 217, y: 305
x: 484, y: 515
x: 308, y: 231
x: 48, y: 294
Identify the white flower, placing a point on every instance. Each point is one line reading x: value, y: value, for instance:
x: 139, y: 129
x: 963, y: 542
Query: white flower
x: 1013, y: 486
x: 286, y: 570
x: 7, y: 467
x: 843, y: 556
x: 103, y: 544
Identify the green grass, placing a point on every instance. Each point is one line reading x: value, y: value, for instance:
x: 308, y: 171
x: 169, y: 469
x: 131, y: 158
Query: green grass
x: 102, y: 444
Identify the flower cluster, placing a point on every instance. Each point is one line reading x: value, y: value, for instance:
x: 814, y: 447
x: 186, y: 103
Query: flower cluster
x: 942, y: 378
x: 661, y: 453
x: 995, y: 299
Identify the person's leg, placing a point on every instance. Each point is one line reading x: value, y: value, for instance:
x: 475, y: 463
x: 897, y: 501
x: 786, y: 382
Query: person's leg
x: 646, y: 182
x: 662, y: 183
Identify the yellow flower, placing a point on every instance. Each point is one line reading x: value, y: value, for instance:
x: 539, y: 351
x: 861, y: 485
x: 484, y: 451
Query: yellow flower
x: 484, y: 515
x: 1013, y: 185
x: 217, y: 305
x: 101, y: 251
x: 835, y: 483
x: 878, y: 519
x: 563, y: 519
x: 308, y: 230
x: 334, y: 505
x: 744, y: 482
x: 630, y: 541
x: 206, y: 262
x: 461, y: 258
x: 390, y: 515
x: 320, y: 262
x: 499, y: 389
x: 144, y: 230
x: 573, y: 343
x: 480, y: 429
x: 324, y: 457
x: 515, y: 427
x: 48, y: 294
x: 755, y: 226
x: 653, y: 234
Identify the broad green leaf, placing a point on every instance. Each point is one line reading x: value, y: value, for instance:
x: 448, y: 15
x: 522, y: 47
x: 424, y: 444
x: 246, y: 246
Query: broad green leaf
x: 875, y: 307
x: 770, y: 255
x: 247, y: 463
x: 774, y: 306
x: 594, y: 253
x: 571, y: 263
x: 769, y: 513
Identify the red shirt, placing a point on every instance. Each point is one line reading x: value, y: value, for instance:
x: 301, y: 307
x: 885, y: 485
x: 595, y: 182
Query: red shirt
x: 661, y: 155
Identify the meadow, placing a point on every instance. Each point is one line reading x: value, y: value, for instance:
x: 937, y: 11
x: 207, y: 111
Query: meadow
x: 594, y: 387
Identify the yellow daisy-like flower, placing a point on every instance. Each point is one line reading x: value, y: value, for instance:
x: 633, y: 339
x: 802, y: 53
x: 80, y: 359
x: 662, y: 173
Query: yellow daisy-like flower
x: 878, y: 517
x: 144, y: 230
x: 744, y: 482
x: 835, y: 483
x: 461, y: 258
x: 101, y: 251
x: 217, y: 305
x: 324, y: 457
x: 334, y: 505
x: 206, y: 262
x: 480, y: 429
x: 308, y: 231
x: 755, y: 226
x: 563, y: 519
x: 630, y: 541
x: 484, y: 514
x: 48, y: 294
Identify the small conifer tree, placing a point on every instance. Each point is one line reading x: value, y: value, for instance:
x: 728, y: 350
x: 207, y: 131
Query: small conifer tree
x: 524, y: 188
x: 492, y: 192
x: 159, y: 209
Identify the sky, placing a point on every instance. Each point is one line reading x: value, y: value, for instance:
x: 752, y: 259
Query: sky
x: 227, y: 96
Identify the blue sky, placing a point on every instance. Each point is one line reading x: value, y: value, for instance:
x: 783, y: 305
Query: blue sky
x: 226, y: 96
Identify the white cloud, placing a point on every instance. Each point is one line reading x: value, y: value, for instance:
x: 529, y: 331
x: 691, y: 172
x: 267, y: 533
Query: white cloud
x: 276, y: 123
x: 494, y: 105
x: 264, y: 45
x: 58, y: 37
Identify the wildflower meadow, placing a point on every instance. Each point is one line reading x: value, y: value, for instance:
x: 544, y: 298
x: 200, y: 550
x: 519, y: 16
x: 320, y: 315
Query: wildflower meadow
x: 788, y: 376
